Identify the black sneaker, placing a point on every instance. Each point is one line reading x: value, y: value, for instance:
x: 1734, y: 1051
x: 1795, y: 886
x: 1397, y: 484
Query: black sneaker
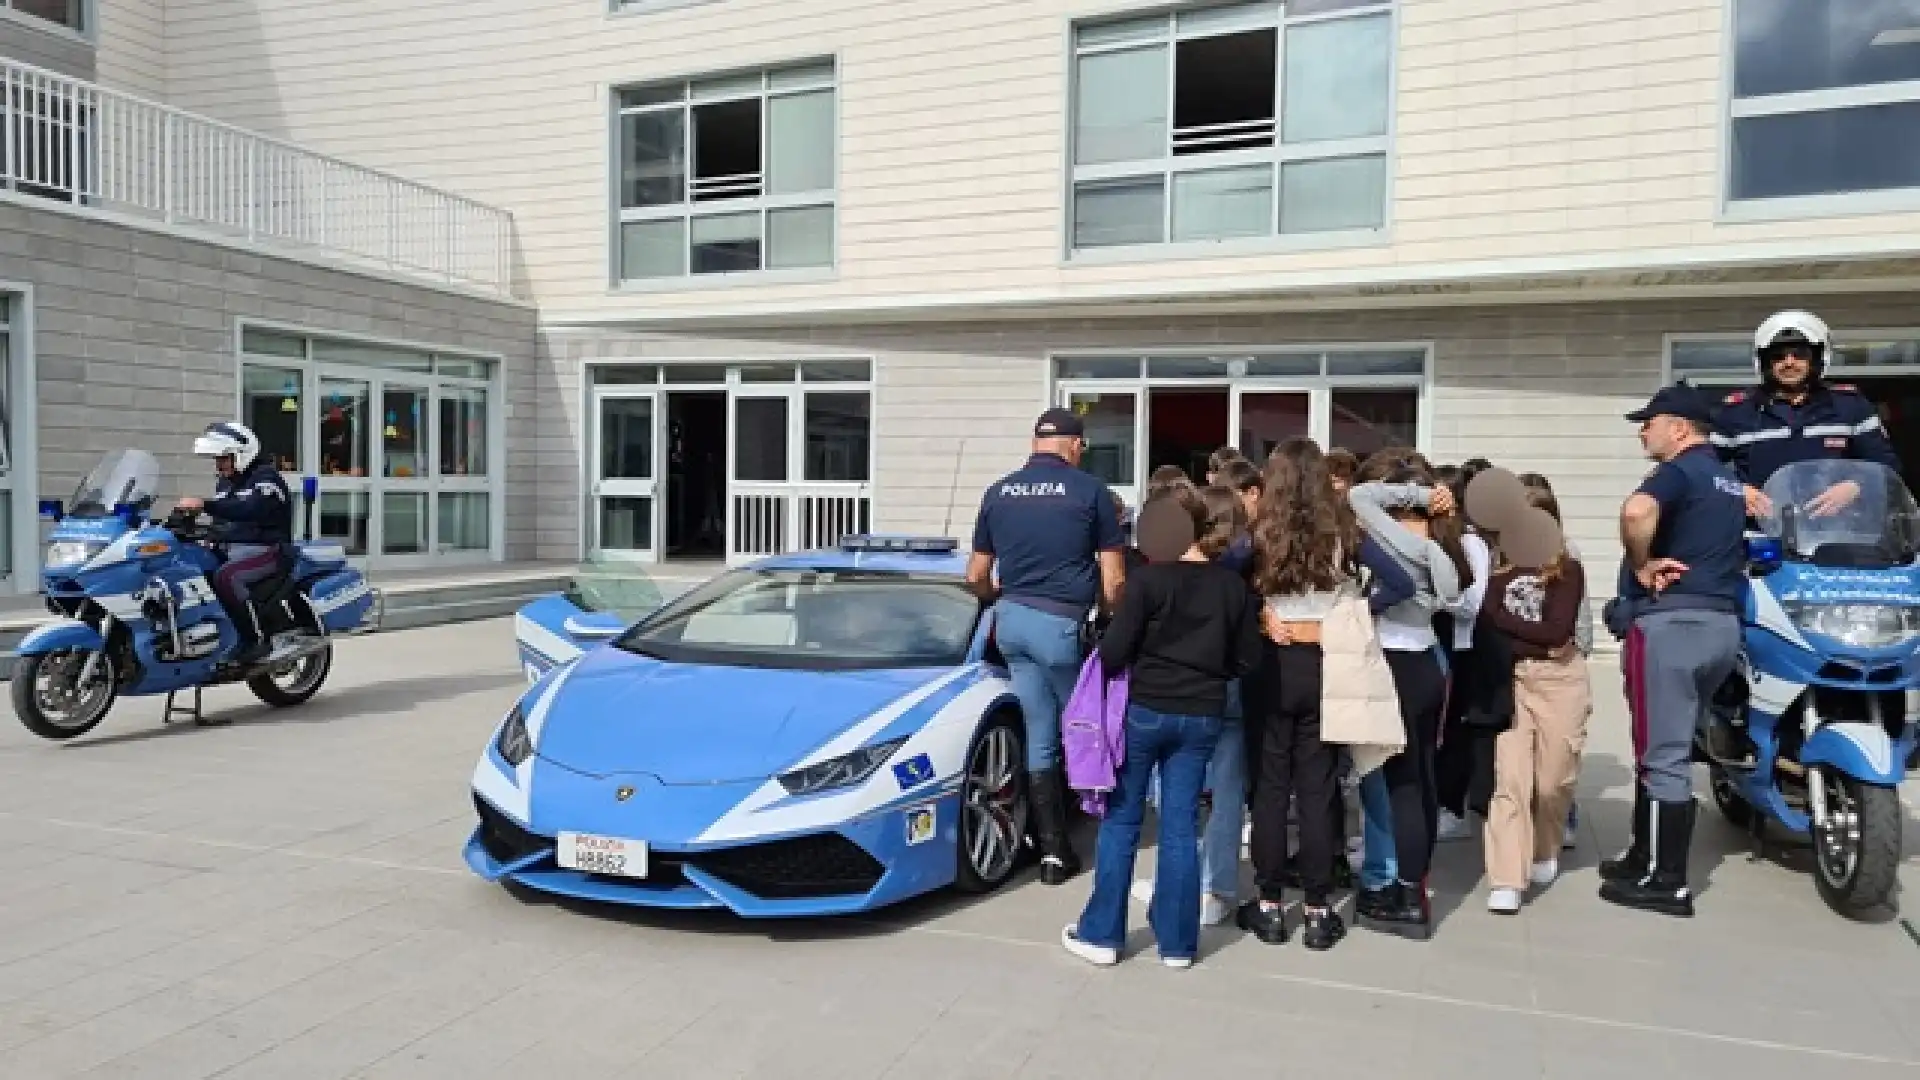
x: 1373, y: 903
x: 1268, y: 923
x: 1323, y: 929
x: 1403, y: 911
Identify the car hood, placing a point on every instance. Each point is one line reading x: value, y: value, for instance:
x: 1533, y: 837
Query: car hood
x: 698, y: 724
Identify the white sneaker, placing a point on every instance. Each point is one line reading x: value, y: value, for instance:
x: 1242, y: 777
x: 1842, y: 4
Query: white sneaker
x: 1092, y: 954
x: 1178, y: 963
x: 1214, y: 910
x: 1453, y: 828
x: 1544, y: 873
x: 1142, y: 890
x: 1502, y: 901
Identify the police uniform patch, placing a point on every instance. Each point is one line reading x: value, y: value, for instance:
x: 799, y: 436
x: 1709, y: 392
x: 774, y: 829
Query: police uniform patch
x: 1734, y: 398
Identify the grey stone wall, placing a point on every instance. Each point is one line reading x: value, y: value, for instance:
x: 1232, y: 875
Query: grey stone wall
x: 134, y: 339
x: 21, y: 40
x: 1534, y: 387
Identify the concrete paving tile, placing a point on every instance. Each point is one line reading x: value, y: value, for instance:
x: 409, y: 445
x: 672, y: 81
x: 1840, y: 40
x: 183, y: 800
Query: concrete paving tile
x: 60, y: 1006
x: 116, y: 1033
x: 315, y: 930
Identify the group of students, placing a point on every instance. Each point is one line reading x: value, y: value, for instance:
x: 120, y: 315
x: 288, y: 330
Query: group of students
x: 1219, y: 634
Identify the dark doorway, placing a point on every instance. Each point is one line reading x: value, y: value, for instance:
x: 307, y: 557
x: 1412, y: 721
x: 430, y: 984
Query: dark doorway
x: 697, y: 474
x: 1898, y: 397
x: 1185, y: 426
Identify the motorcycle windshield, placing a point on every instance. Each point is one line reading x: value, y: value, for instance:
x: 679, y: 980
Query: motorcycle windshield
x: 621, y: 588
x: 1848, y: 512
x: 126, y: 477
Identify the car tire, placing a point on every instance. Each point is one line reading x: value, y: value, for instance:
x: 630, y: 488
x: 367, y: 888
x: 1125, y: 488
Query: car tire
x: 994, y: 799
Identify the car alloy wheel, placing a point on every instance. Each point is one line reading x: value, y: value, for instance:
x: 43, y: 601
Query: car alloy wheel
x: 993, y: 806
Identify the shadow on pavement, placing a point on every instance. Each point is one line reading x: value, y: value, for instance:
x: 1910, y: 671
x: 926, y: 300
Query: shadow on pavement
x: 390, y: 697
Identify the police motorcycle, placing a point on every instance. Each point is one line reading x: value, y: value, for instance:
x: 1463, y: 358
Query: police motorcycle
x: 140, y: 616
x: 1814, y: 733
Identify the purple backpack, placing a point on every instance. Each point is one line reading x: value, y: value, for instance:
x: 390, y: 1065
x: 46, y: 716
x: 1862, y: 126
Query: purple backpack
x: 1093, y: 734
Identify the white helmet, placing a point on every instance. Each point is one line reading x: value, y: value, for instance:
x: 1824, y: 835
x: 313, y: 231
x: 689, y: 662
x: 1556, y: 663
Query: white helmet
x: 224, y: 439
x: 1795, y: 326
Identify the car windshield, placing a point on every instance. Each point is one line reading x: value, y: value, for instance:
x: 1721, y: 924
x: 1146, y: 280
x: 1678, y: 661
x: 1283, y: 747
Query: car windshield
x: 814, y: 619
x: 123, y: 477
x: 1842, y: 512
x: 620, y: 588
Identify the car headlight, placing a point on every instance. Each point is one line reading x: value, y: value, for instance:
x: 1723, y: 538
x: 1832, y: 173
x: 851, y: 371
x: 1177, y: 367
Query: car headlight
x: 1863, y: 626
x: 843, y: 771
x: 72, y: 552
x: 514, y: 744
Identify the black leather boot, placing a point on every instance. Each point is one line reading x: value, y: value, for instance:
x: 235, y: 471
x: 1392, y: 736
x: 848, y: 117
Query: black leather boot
x: 1049, y: 800
x: 1664, y: 888
x: 1403, y: 909
x: 1631, y: 864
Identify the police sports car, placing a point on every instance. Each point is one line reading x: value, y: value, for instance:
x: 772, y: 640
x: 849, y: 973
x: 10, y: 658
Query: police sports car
x: 812, y: 734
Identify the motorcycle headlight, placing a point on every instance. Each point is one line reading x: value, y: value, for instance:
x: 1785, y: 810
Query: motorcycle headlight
x: 514, y: 744
x: 843, y: 771
x: 72, y: 552
x: 1863, y: 626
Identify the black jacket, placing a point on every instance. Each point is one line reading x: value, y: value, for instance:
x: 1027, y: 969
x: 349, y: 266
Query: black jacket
x: 1758, y: 434
x: 255, y: 506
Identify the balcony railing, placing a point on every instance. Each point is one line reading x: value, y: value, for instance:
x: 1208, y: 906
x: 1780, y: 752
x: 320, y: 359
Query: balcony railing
x: 74, y: 142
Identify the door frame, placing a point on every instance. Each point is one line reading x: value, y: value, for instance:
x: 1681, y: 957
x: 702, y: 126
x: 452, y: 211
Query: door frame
x: 1319, y: 407
x: 1063, y: 394
x: 795, y: 436
x: 652, y: 488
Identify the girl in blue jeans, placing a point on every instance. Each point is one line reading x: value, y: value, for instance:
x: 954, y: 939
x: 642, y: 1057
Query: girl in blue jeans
x: 1227, y: 770
x: 1185, y: 628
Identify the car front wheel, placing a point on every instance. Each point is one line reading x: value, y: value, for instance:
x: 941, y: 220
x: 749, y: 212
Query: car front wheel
x: 993, y: 806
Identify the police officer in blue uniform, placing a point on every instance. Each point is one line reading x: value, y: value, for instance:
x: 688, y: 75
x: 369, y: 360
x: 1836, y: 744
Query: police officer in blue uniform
x: 1054, y: 533
x: 1795, y: 415
x: 255, y: 509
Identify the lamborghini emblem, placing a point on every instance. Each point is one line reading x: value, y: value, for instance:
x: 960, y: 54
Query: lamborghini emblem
x: 623, y: 793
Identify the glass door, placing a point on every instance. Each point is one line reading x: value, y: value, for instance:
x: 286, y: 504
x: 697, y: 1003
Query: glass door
x: 1115, y: 425
x: 1262, y: 418
x: 405, y: 472
x: 761, y: 460
x: 345, y: 456
x: 624, y: 511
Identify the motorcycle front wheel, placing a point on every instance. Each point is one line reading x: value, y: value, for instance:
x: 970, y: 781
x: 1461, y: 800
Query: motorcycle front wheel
x: 48, y: 699
x: 1856, y: 854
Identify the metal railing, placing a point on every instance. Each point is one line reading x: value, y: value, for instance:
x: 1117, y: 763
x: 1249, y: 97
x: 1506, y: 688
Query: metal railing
x: 71, y: 141
x: 773, y: 519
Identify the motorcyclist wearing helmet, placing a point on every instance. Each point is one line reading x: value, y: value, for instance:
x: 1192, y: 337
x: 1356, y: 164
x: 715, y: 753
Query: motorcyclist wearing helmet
x: 254, y: 504
x: 1794, y: 415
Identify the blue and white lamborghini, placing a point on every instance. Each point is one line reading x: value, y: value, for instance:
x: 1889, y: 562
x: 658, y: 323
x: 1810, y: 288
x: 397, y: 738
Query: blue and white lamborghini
x: 813, y: 734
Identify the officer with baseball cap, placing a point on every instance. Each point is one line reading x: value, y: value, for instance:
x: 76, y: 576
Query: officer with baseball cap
x: 1682, y: 588
x: 1052, y: 531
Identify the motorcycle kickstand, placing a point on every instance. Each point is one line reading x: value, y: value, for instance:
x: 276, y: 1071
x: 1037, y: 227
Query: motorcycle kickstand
x: 199, y: 718
x: 1757, y: 836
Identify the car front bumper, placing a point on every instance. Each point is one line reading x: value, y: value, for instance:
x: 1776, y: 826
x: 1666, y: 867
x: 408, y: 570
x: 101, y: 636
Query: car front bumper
x: 862, y: 865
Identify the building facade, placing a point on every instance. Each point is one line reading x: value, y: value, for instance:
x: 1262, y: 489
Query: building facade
x: 159, y: 271
x: 805, y: 268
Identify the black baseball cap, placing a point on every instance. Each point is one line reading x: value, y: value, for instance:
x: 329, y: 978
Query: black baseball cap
x: 1058, y: 424
x: 1679, y: 400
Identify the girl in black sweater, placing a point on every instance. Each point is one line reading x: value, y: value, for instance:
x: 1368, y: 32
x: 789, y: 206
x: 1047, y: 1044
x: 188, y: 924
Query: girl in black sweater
x: 1185, y: 627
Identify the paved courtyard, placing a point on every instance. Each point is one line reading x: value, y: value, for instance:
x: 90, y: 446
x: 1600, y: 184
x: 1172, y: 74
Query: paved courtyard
x: 283, y: 899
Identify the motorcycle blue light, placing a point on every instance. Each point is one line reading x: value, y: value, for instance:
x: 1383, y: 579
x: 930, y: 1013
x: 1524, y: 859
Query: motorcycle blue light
x: 52, y: 510
x: 1764, y: 551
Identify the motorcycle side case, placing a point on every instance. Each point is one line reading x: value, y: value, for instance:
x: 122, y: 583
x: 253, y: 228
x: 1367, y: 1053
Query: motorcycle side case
x: 342, y: 600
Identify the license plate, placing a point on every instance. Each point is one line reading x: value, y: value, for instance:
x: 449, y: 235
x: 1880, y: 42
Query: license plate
x: 608, y: 855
